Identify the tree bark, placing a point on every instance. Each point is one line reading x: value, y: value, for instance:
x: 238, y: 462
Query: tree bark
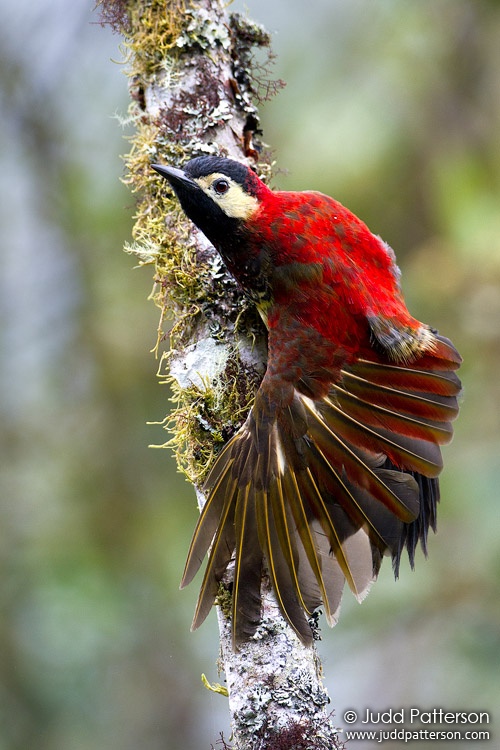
x: 195, y: 89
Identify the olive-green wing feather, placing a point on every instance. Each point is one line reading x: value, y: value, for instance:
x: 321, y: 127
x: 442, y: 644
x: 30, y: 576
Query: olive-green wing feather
x: 317, y: 490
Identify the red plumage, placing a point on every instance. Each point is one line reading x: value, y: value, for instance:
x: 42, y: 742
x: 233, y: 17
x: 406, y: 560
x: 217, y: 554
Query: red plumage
x: 355, y: 276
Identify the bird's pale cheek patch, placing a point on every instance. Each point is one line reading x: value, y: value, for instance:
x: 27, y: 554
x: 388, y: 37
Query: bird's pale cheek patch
x: 236, y: 202
x: 239, y: 205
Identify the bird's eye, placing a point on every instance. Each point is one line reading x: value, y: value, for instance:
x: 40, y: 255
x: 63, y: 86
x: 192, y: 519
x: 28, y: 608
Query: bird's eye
x: 221, y: 186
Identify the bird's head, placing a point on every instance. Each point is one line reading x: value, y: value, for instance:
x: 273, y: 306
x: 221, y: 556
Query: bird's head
x: 219, y: 195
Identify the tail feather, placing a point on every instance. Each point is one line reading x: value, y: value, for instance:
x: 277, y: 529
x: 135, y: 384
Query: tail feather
x: 417, y: 531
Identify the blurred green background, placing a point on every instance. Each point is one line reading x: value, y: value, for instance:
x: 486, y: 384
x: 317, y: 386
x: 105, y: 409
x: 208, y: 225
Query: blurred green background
x: 392, y: 107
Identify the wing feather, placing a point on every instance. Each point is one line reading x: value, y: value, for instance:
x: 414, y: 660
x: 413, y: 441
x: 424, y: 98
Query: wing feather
x: 220, y: 555
x: 319, y: 483
x: 247, y: 567
x: 280, y: 574
x: 340, y: 455
x: 309, y: 540
x: 212, y: 517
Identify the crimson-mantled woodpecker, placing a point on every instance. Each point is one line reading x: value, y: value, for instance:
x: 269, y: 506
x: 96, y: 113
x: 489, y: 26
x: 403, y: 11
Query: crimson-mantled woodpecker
x: 337, y: 461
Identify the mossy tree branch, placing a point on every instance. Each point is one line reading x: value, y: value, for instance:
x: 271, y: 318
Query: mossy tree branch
x: 195, y: 86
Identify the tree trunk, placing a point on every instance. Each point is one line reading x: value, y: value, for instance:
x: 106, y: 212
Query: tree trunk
x: 195, y: 89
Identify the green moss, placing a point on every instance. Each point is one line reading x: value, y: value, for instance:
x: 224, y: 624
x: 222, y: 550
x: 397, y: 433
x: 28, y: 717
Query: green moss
x: 224, y: 601
x: 203, y: 419
x: 164, y: 42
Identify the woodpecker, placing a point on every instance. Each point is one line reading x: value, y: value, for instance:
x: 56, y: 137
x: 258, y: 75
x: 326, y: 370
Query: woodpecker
x: 337, y: 462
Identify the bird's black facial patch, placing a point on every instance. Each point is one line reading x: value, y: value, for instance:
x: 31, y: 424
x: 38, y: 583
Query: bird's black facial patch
x: 206, y: 214
x: 217, y: 195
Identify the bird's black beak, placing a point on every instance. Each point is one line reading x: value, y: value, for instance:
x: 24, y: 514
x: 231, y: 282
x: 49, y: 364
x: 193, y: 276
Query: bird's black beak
x: 176, y: 177
x: 196, y: 204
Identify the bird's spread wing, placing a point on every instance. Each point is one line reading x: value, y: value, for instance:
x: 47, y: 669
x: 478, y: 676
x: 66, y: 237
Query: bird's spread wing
x: 318, y: 486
